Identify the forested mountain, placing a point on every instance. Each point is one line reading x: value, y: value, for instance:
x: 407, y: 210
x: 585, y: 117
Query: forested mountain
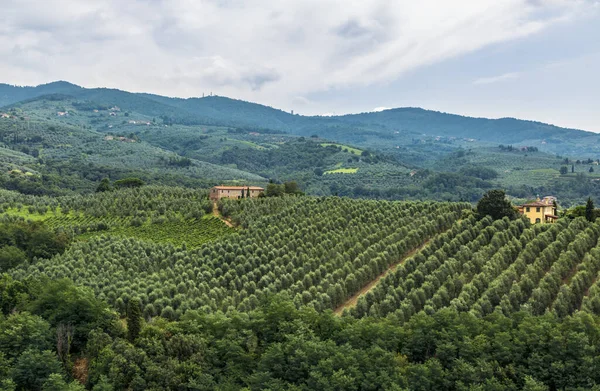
x: 215, y: 110
x: 499, y: 131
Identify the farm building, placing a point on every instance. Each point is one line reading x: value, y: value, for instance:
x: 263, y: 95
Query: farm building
x: 218, y: 192
x: 540, y: 211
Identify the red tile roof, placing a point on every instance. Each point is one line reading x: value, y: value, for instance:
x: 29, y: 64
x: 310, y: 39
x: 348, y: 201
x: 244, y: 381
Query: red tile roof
x: 537, y: 204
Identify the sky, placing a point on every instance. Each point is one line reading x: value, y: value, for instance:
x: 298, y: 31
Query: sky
x: 530, y: 59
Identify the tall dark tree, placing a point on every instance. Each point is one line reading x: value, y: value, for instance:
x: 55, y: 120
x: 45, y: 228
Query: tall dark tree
x: 104, y: 186
x: 291, y: 187
x: 494, y: 204
x: 134, y: 320
x: 248, y: 192
x: 589, y: 210
x: 274, y: 190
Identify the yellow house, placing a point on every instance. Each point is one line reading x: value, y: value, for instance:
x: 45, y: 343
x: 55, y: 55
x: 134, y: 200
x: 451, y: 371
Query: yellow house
x: 540, y: 211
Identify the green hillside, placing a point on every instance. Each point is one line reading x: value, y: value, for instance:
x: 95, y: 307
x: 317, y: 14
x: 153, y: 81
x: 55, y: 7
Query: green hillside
x: 68, y: 138
x: 362, y: 129
x: 305, y: 292
x: 58, y: 153
x: 546, y: 137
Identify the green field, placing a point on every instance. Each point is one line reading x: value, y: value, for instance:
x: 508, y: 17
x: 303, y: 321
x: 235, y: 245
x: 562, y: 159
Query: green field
x: 250, y: 144
x: 167, y: 218
x: 353, y: 150
x: 537, y: 177
x: 342, y: 171
x: 193, y: 232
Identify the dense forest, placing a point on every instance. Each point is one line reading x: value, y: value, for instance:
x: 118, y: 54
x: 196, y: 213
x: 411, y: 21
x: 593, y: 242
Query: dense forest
x: 279, y: 347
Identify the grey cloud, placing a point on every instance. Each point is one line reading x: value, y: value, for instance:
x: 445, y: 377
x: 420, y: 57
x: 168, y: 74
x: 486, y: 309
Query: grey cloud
x: 535, y: 3
x: 301, y: 100
x: 227, y: 3
x: 259, y: 79
x: 351, y: 29
x: 269, y: 51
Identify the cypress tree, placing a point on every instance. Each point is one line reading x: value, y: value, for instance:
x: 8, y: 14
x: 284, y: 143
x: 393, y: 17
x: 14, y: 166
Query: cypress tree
x: 134, y: 320
x: 589, y: 210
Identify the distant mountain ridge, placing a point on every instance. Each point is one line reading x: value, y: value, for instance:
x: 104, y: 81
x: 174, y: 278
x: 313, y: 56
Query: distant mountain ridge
x: 394, y: 126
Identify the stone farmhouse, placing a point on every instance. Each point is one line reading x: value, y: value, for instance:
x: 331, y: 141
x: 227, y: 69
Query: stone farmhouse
x: 235, y: 192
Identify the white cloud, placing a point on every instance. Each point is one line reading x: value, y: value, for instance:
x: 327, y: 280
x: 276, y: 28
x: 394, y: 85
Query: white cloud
x: 498, y: 78
x: 378, y: 109
x: 266, y: 51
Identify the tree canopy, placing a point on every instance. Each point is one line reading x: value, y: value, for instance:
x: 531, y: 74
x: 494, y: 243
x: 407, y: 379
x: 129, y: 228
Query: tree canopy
x: 494, y: 204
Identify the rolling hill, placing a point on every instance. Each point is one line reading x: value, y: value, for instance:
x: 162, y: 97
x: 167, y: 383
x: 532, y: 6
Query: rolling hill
x: 405, y: 153
x: 365, y: 129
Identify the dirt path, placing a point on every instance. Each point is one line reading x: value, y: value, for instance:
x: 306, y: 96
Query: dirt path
x: 351, y: 302
x: 217, y: 214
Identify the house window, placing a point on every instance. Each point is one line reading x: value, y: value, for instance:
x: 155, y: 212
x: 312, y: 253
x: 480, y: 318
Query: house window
x: 537, y: 210
x: 538, y: 220
x: 528, y: 209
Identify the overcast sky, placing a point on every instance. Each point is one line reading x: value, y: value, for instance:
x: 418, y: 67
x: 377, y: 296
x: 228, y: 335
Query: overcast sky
x: 532, y: 59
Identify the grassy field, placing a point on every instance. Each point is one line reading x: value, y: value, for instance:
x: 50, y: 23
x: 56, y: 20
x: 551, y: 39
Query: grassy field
x: 342, y: 171
x: 537, y: 177
x: 353, y: 150
x: 192, y: 232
